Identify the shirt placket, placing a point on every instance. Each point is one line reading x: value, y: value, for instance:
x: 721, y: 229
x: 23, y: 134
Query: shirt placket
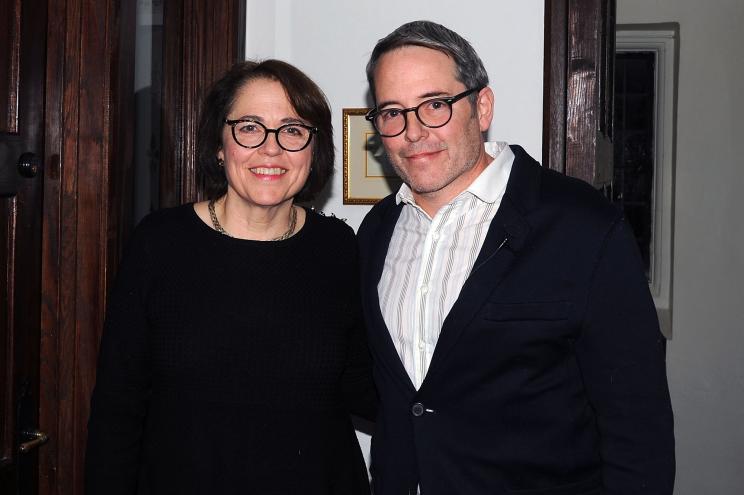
x: 424, y: 320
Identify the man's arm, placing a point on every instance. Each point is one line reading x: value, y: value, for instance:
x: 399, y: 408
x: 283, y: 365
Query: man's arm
x: 622, y: 357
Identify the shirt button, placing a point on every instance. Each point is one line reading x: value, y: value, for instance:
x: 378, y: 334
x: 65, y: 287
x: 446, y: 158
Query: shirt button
x: 424, y: 289
x: 421, y: 345
x: 435, y: 236
x: 417, y: 409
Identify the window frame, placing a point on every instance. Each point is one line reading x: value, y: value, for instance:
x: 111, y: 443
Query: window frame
x: 662, y: 40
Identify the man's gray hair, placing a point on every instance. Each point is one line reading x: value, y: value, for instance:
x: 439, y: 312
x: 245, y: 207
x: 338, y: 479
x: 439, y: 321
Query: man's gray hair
x: 469, y: 68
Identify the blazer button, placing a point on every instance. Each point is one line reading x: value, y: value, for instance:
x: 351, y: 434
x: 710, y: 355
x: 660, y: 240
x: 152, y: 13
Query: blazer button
x: 417, y: 409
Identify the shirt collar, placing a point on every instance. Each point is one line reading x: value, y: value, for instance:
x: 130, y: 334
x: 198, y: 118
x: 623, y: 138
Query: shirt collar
x: 489, y: 186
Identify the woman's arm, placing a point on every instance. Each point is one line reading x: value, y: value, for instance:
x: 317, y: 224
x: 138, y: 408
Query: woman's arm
x: 120, y: 398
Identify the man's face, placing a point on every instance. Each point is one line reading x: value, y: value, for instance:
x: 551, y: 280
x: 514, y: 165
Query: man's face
x: 436, y: 163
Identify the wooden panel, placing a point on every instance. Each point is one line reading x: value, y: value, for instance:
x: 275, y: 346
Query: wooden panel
x: 22, y: 48
x: 203, y: 39
x: 7, y: 327
x: 579, y: 60
x: 86, y: 142
x: 554, y: 85
x: 51, y: 289
x: 10, y: 30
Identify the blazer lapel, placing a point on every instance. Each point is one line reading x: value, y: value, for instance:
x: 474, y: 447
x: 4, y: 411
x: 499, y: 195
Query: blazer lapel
x: 500, y: 249
x: 380, y: 340
x: 506, y: 237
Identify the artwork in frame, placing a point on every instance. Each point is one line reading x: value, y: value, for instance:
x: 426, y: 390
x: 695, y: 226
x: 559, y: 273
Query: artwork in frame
x: 368, y: 175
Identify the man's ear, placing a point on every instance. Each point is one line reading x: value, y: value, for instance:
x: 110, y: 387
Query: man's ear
x: 484, y: 107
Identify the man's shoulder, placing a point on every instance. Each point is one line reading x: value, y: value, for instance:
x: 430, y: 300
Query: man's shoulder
x: 376, y: 216
x: 537, y: 186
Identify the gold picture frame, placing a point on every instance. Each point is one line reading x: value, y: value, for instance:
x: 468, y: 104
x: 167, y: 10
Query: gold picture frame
x: 368, y: 175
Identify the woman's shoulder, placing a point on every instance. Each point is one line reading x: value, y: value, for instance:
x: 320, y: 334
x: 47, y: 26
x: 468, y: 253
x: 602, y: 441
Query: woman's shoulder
x: 168, y: 216
x: 166, y: 223
x: 328, y: 223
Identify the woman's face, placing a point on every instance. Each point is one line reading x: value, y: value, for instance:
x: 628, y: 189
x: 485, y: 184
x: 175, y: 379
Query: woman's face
x: 268, y: 175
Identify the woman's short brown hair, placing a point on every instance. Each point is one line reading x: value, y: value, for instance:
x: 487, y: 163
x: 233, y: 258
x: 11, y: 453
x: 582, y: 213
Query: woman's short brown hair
x: 305, y: 96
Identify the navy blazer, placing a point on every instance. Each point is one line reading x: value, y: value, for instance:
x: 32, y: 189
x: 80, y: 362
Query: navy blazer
x: 549, y: 374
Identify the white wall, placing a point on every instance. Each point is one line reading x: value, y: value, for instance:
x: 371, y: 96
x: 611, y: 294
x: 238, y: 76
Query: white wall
x: 332, y: 40
x: 706, y: 355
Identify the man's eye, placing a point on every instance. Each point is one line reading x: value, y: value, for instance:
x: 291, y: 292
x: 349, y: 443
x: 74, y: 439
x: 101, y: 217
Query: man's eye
x: 390, y: 113
x: 436, y: 105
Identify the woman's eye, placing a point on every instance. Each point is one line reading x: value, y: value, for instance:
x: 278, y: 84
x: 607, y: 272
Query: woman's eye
x: 293, y: 131
x: 248, y: 128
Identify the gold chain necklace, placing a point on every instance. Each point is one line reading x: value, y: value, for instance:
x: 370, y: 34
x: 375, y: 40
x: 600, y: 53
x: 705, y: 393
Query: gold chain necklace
x: 218, y: 227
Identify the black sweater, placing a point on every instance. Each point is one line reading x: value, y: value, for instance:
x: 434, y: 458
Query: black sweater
x: 231, y: 366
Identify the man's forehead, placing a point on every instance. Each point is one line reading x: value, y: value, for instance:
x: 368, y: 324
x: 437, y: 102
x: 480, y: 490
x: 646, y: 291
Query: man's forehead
x: 415, y: 55
x: 414, y: 71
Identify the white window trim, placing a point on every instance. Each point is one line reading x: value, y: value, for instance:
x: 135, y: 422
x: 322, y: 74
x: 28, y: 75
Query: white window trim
x: 662, y: 40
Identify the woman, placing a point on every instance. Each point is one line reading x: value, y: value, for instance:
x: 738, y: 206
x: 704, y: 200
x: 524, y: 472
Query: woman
x: 233, y: 350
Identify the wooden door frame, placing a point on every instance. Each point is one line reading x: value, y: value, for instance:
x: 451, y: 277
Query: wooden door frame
x: 88, y: 158
x: 89, y: 71
x: 202, y: 39
x: 21, y: 109
x: 578, y: 88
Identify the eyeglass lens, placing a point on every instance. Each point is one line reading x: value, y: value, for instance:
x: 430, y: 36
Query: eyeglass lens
x: 291, y: 137
x: 431, y: 113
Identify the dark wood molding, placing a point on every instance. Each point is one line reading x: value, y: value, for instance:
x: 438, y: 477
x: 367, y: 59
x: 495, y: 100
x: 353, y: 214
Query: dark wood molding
x: 554, y: 85
x: 22, y: 70
x: 202, y: 40
x: 10, y: 29
x: 7, y: 326
x: 578, y: 88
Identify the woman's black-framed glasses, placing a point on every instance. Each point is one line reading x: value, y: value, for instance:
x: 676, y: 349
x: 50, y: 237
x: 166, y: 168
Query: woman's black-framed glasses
x: 436, y: 112
x: 251, y: 134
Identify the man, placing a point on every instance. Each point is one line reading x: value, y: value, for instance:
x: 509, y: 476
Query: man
x: 515, y: 341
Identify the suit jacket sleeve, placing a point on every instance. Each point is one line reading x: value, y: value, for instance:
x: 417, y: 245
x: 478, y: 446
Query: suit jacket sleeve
x: 621, y: 354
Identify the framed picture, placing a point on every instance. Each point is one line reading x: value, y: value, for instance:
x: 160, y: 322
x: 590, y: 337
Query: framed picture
x: 368, y: 176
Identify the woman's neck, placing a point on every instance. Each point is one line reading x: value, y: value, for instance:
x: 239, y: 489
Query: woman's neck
x: 246, y: 221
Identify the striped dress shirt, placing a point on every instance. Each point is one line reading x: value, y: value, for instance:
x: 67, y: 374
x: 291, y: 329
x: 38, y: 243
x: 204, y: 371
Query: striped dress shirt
x: 429, y: 260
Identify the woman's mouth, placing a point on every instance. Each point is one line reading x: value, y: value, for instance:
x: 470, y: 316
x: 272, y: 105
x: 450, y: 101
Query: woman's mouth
x: 268, y: 171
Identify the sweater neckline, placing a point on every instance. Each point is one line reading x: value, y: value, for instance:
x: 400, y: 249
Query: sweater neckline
x: 299, y: 234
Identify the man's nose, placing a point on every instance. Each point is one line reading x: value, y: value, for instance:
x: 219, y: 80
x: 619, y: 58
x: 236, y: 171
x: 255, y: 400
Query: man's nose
x: 415, y: 130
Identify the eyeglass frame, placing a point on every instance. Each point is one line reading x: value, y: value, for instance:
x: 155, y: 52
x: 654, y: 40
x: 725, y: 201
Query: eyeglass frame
x: 449, y: 100
x: 233, y: 123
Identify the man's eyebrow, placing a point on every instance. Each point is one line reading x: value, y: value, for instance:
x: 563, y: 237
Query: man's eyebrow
x: 425, y: 96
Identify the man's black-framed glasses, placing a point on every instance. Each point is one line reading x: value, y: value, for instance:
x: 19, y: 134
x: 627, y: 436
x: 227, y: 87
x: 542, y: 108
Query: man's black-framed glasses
x: 435, y: 112
x: 251, y: 134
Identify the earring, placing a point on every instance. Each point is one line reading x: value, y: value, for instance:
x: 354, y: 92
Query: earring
x: 220, y: 162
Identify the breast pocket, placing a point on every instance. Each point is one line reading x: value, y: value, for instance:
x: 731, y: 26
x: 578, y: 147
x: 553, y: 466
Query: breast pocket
x: 529, y: 311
